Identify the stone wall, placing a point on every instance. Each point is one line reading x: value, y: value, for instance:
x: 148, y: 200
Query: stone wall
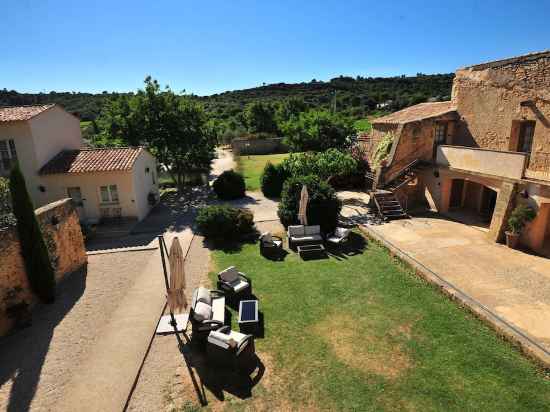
x: 258, y: 146
x: 492, y: 97
x: 60, y: 225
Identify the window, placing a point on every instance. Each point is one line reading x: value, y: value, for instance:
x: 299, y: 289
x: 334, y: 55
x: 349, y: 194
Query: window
x: 526, y: 133
x: 108, y: 194
x: 8, y: 154
x: 440, y: 133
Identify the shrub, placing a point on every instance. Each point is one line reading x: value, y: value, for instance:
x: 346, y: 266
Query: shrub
x: 33, y: 248
x: 273, y: 178
x: 6, y: 215
x: 519, y: 218
x: 323, y: 207
x: 222, y: 222
x: 229, y: 185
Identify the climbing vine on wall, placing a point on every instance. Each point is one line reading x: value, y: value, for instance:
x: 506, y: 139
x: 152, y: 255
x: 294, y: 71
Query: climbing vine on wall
x: 383, y: 149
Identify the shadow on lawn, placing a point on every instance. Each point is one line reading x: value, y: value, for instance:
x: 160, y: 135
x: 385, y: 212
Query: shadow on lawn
x: 23, y: 353
x: 216, y: 379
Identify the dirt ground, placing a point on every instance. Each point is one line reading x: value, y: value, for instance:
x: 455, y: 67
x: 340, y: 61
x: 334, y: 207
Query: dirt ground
x: 37, y: 363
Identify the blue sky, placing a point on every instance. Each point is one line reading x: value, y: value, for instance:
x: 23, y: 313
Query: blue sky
x: 206, y: 47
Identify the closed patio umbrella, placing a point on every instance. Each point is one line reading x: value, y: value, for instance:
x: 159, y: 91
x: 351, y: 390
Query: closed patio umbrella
x: 176, y: 291
x: 302, y: 211
x: 175, y: 288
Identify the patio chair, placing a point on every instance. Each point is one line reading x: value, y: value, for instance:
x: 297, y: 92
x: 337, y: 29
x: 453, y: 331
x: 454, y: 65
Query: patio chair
x: 207, y: 312
x: 234, y: 283
x: 229, y: 348
x: 339, y: 236
x: 271, y: 245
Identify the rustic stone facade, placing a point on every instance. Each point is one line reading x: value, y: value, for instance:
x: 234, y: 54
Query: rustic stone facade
x: 492, y: 98
x: 61, y: 228
x: 492, y: 106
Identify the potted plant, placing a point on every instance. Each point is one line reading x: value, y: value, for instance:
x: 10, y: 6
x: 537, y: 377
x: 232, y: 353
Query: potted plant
x: 517, y: 221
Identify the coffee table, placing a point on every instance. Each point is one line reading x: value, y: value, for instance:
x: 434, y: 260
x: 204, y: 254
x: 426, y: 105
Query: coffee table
x: 248, y: 315
x: 311, y: 250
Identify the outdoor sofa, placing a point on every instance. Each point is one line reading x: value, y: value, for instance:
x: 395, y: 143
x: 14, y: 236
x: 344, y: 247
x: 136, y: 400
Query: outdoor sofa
x: 207, y: 312
x: 229, y: 348
x: 302, y: 235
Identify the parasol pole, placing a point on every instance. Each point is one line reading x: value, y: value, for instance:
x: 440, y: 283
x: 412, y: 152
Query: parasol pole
x: 162, y: 249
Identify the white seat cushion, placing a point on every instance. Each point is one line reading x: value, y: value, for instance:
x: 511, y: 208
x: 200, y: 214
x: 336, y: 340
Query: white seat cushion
x: 239, y: 285
x: 341, y: 232
x: 312, y: 238
x: 221, y: 339
x: 218, y: 309
x: 231, y: 274
x: 266, y: 237
x: 312, y: 230
x: 201, y: 294
x: 296, y: 231
x: 202, y: 312
x: 278, y: 243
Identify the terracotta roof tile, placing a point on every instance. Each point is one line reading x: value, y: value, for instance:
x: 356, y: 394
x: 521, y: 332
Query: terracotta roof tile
x: 18, y: 113
x: 92, y: 160
x: 417, y: 112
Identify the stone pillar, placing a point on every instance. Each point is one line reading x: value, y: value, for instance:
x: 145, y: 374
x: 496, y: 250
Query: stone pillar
x: 503, y: 208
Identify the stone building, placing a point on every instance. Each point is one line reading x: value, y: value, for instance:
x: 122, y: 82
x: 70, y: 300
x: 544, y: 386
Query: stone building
x: 476, y: 157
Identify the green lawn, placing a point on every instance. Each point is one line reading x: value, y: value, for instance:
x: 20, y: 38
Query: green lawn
x: 363, y: 332
x: 252, y: 167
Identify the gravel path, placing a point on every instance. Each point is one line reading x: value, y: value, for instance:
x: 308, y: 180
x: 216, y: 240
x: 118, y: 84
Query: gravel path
x: 37, y: 363
x: 159, y: 370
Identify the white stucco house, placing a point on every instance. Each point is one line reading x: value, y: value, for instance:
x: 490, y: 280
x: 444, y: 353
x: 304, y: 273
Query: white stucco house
x: 104, y: 183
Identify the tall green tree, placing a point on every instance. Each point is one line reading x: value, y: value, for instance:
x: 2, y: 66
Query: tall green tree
x: 33, y: 247
x: 259, y: 117
x: 6, y: 214
x: 317, y: 131
x: 174, y: 127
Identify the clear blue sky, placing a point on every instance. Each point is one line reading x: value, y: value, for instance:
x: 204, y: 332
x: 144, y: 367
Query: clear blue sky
x: 211, y: 46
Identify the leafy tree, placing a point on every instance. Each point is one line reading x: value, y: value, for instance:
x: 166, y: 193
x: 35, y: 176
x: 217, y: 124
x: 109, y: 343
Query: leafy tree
x: 289, y: 109
x: 317, y: 131
x: 259, y: 117
x: 273, y: 178
x: 33, y: 248
x: 175, y: 128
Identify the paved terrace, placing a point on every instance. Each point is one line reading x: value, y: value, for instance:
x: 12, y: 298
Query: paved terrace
x: 509, y: 288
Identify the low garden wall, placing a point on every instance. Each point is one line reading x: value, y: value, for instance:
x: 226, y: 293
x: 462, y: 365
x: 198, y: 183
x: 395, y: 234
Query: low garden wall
x: 258, y: 146
x: 61, y: 228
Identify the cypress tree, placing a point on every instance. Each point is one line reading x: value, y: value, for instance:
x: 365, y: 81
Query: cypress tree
x: 33, y: 248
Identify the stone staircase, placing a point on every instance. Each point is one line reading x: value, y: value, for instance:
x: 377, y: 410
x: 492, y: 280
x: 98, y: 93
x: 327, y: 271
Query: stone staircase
x: 388, y: 205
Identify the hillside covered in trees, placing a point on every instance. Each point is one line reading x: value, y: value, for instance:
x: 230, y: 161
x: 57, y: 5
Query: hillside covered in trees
x: 354, y: 97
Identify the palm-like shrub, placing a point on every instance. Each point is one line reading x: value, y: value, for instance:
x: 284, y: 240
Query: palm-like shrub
x: 323, y: 207
x: 33, y: 248
x: 229, y: 185
x: 222, y: 222
x: 273, y: 178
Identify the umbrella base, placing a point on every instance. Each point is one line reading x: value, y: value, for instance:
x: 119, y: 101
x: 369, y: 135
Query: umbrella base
x: 165, y: 324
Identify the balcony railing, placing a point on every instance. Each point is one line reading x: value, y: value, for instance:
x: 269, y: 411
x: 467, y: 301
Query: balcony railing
x: 490, y: 162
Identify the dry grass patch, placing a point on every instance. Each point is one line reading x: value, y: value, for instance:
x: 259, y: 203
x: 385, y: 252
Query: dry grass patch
x: 358, y: 349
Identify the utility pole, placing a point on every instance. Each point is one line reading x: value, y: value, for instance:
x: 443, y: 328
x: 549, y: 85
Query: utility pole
x: 334, y: 102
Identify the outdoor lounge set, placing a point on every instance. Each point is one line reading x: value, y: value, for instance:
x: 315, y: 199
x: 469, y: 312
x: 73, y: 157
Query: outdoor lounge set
x: 225, y: 347
x: 309, y: 240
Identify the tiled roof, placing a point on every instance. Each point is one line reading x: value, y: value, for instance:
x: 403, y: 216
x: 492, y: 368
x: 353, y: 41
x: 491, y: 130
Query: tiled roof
x: 417, y: 112
x: 18, y: 113
x: 92, y: 160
